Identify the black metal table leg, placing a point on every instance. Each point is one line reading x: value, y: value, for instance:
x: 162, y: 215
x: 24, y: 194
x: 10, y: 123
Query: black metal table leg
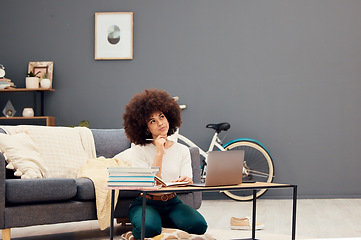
x: 294, y: 212
x: 112, y: 216
x: 254, y: 215
x: 142, y: 230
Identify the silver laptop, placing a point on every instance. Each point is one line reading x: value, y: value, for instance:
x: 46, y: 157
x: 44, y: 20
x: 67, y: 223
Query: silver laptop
x: 224, y: 168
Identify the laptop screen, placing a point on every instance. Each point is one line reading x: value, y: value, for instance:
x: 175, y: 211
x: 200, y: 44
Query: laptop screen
x: 224, y: 168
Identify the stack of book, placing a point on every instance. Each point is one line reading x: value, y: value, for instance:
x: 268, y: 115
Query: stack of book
x: 6, y: 83
x: 131, y: 177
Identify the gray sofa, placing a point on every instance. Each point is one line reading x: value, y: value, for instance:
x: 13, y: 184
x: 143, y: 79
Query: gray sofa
x: 28, y: 202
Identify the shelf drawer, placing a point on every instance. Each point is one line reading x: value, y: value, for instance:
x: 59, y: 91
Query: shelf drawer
x: 41, y: 121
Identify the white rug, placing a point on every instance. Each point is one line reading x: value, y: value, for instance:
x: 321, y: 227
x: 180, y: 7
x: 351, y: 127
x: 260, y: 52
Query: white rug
x: 90, y: 231
x: 221, y: 234
x: 356, y: 238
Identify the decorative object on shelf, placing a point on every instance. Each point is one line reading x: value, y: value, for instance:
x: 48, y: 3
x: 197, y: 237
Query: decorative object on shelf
x: 5, y: 83
x: 45, y: 82
x: 32, y: 80
x: 44, y: 68
x: 9, y: 110
x: 2, y: 71
x: 113, y: 35
x: 28, y: 112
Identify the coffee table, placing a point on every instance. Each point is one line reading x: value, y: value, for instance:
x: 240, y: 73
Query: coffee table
x: 244, y: 186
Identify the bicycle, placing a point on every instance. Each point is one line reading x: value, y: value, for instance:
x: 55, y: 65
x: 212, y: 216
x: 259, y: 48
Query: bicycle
x: 258, y: 163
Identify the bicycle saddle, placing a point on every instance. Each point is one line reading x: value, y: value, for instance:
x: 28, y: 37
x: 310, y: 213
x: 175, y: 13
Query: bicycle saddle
x: 219, y: 126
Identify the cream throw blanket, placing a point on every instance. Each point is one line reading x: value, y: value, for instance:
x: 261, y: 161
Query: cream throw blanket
x: 96, y: 170
x: 63, y: 150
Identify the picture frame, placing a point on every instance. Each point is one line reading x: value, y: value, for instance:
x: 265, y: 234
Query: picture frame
x: 113, y: 38
x: 44, y: 68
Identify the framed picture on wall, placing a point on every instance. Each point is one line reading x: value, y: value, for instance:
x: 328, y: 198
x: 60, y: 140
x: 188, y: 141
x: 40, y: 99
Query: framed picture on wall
x: 113, y: 35
x: 42, y: 68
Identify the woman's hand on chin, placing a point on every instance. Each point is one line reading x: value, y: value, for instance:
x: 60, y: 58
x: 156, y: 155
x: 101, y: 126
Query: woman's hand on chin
x: 160, y: 143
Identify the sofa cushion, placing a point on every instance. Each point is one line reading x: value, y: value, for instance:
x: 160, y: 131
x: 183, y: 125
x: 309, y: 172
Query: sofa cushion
x: 19, y: 191
x: 109, y: 142
x: 85, y: 189
x: 22, y: 155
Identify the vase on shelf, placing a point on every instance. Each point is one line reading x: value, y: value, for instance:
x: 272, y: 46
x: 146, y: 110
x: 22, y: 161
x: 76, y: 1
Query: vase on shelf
x: 28, y: 112
x: 45, y: 83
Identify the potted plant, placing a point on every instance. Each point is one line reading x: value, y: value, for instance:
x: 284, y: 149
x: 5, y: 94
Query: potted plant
x: 45, y: 82
x: 32, y: 80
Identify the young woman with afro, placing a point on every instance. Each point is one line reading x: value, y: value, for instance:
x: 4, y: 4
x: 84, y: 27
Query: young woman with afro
x: 149, y: 118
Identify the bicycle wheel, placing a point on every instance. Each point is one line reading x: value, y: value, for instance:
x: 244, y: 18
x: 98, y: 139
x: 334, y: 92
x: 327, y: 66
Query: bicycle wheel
x: 258, y: 167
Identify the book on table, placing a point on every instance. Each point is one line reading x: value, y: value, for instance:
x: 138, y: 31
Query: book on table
x: 135, y: 170
x: 156, y: 187
x: 160, y: 181
x: 131, y: 180
x: 131, y: 184
x: 131, y: 177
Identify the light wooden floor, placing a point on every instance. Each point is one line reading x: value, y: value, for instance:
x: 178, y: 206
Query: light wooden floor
x: 316, y: 219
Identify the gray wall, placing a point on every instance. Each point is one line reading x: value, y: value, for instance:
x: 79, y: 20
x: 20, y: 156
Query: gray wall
x: 285, y: 72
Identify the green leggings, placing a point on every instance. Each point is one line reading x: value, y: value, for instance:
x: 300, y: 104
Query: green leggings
x: 172, y: 214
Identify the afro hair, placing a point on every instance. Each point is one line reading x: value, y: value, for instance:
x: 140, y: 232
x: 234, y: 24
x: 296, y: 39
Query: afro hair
x: 139, y: 109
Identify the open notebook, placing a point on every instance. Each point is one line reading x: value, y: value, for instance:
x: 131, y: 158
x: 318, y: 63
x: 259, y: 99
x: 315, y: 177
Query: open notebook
x: 160, y: 181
